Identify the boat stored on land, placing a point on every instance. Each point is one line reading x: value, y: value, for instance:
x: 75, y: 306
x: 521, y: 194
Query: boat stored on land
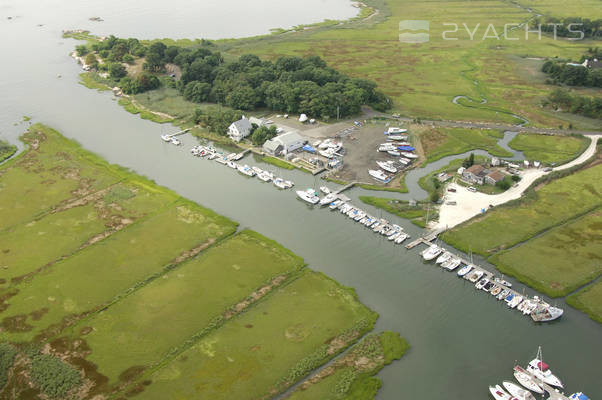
x: 378, y: 175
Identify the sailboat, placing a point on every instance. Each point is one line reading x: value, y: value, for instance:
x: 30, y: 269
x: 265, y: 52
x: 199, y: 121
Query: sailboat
x: 542, y: 370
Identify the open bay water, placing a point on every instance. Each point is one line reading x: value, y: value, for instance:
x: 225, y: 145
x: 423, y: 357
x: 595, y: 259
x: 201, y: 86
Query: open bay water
x: 462, y: 340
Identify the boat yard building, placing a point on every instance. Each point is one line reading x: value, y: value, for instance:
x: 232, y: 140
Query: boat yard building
x: 288, y: 142
x: 494, y: 177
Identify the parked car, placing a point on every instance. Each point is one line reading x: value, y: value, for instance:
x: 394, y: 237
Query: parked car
x: 451, y: 190
x: 451, y: 203
x: 472, y: 189
x: 547, y: 169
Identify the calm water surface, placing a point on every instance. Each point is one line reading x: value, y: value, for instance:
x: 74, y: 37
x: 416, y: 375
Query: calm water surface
x: 462, y: 341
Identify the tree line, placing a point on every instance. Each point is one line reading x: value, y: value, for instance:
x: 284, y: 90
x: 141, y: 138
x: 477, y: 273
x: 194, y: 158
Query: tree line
x: 562, y: 72
x: 296, y: 85
x: 572, y: 27
x: 587, y: 106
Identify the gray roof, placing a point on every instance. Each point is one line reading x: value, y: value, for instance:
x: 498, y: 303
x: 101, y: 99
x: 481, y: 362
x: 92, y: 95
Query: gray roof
x: 243, y: 125
x: 289, y: 137
x: 271, y: 145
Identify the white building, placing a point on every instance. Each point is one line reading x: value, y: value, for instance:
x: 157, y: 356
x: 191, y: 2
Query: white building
x: 240, y: 129
x: 290, y: 141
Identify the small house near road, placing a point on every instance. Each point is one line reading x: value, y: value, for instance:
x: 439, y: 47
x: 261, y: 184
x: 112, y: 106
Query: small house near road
x: 258, y: 121
x: 240, y: 129
x: 494, y: 177
x: 475, y: 174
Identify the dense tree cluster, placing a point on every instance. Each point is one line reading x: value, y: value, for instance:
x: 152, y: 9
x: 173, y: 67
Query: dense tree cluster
x: 583, y: 105
x: 289, y: 84
x: 216, y: 119
x: 141, y: 83
x: 572, y: 27
x: 262, y: 134
x: 575, y: 75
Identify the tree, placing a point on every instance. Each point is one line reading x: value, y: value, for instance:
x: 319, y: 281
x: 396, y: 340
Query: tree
x: 117, y: 71
x: 469, y: 162
x: 263, y: 134
x: 91, y: 60
x: 434, y: 196
x: 197, y: 92
x: 242, y: 98
x: 81, y: 50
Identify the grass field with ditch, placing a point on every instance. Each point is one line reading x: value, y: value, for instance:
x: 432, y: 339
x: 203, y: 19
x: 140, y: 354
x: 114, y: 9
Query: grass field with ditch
x: 110, y: 284
x: 440, y: 142
x: 269, y: 347
x: 562, y: 260
x: 589, y: 300
x: 188, y: 297
x: 549, y: 149
x: 552, y: 204
x: 352, y: 376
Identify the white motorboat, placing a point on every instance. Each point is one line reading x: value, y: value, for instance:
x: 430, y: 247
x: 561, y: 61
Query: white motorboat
x: 232, y: 165
x: 387, y: 166
x: 257, y: 170
x: 525, y: 379
x: 517, y: 391
x: 495, y: 290
x: 542, y: 371
x: 394, y: 153
x: 443, y: 257
x: 378, y: 175
x: 394, y: 236
x: 405, y: 161
x: 503, y: 294
x: 408, y: 154
x: 329, y: 198
x: 265, y: 176
x: 481, y: 284
x: 176, y: 141
x: 452, y: 264
x: 499, y: 394
x: 324, y: 190
x: 246, y: 170
x: 432, y: 252
x: 279, y: 183
x: 289, y: 184
x: 475, y: 276
x: 237, y: 157
x: 166, y: 138
x: 212, y: 156
x: 516, y: 300
x: 464, y: 270
x: 402, y: 236
x: 502, y: 282
x: 579, y: 396
x: 335, y: 204
x: 397, y: 137
x: 308, y: 195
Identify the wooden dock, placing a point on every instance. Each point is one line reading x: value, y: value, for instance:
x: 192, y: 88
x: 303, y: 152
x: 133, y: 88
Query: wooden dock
x: 346, y: 187
x: 179, y: 133
x: 426, y: 239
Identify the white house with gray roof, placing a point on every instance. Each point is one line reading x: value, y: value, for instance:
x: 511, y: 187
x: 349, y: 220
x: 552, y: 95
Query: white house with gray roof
x: 240, y: 129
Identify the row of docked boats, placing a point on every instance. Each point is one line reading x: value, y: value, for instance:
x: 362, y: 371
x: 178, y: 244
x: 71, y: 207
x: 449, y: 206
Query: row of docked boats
x: 230, y: 160
x: 536, y: 378
x: 535, y: 307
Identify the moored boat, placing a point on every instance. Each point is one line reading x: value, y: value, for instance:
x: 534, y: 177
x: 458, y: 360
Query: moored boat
x: 474, y: 276
x: 329, y: 198
x: 481, y: 284
x: 246, y: 170
x: 526, y: 380
x: 452, y: 264
x: 542, y: 371
x: 432, y: 252
x: 279, y: 183
x: 166, y: 138
x: 443, y: 258
x: 544, y: 313
x: 308, y: 195
x: 464, y: 270
x: 517, y: 391
x: 499, y: 394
